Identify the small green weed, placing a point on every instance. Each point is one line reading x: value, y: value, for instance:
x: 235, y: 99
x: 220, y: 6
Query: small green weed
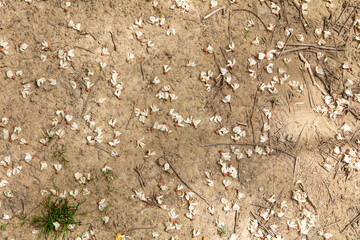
x: 109, y: 176
x: 246, y: 32
x: 222, y: 231
x: 22, y: 219
x: 60, y: 155
x: 3, y: 227
x: 59, y: 212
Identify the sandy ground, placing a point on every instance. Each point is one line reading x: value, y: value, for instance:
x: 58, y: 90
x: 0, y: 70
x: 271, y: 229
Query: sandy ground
x: 333, y: 192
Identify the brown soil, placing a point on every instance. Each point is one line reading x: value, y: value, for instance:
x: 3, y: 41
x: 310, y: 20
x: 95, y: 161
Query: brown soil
x: 335, y: 192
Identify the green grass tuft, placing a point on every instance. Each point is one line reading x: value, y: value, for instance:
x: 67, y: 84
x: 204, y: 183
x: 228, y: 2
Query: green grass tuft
x: 222, y: 231
x: 60, y: 211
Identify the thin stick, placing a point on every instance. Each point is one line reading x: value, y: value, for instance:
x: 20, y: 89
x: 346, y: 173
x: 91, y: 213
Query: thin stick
x: 308, y: 197
x: 250, y: 144
x: 331, y: 197
x: 347, y: 19
x: 138, y: 171
x: 311, y: 101
x: 34, y: 176
x: 236, y: 220
x: 88, y: 98
x: 132, y: 113
x: 113, y: 40
x: 245, y: 10
x: 268, y: 230
x: 92, y: 228
x: 304, y: 49
x: 239, y: 170
x: 322, y: 151
x: 251, y: 117
x: 84, y: 49
x: 213, y: 12
x: 142, y: 70
x: 187, y: 184
x: 230, y: 71
x: 272, y: 33
x: 288, y: 101
x: 294, y: 172
x: 299, y: 137
x: 285, y: 44
x: 86, y: 103
x: 309, y: 94
x: 345, y: 7
x: 229, y: 28
x: 353, y: 112
x: 298, y: 7
x: 32, y: 166
x: 140, y: 228
x: 330, y: 48
x: 259, y: 206
x: 351, y: 222
x: 330, y: 224
x: 89, y: 33
x: 308, y: 67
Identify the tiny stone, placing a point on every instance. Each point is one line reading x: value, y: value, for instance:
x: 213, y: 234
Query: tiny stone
x: 161, y: 161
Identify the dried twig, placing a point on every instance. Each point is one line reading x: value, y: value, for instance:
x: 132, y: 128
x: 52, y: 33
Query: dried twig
x: 34, y: 176
x: 302, y: 49
x: 141, y: 179
x: 245, y: 10
x: 85, y: 49
x: 330, y: 48
x: 294, y: 172
x: 32, y: 166
x: 187, y: 185
x: 142, y: 70
x: 322, y: 151
x: 331, y: 197
x: 285, y: 44
x: 89, y: 33
x: 353, y: 112
x: 113, y: 40
x: 250, y: 144
x: 140, y: 228
x: 344, y: 8
x: 88, y: 98
x: 230, y: 71
x: 213, y: 12
x: 251, y: 116
x: 92, y: 228
x: 351, y: 222
x: 308, y: 67
x: 238, y: 169
x: 298, y: 7
x: 236, y: 220
x: 229, y: 28
x: 299, y: 137
x: 131, y: 115
x: 308, y: 197
x: 347, y: 19
x: 260, y: 145
x: 267, y: 229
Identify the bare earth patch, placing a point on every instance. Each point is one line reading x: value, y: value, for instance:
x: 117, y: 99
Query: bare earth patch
x: 180, y: 119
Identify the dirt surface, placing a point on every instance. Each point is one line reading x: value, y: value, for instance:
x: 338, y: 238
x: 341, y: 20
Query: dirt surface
x: 299, y: 158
